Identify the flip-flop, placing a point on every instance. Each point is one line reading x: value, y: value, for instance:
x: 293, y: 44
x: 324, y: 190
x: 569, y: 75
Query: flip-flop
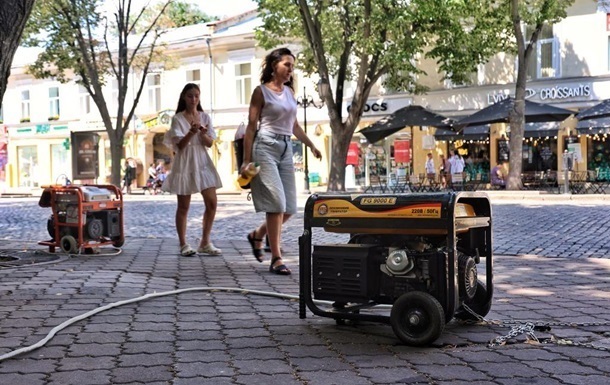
x: 258, y: 253
x: 279, y: 269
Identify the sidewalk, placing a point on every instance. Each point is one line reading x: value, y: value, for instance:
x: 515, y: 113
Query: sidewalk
x: 217, y: 337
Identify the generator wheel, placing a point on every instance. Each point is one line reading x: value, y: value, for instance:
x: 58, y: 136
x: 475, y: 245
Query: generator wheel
x: 118, y: 242
x: 68, y: 244
x: 478, y: 304
x: 467, y: 280
x: 51, y: 226
x: 417, y: 318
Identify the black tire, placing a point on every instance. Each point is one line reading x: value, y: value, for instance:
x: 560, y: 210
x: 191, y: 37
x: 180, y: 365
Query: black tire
x: 417, y: 318
x: 68, y: 244
x: 479, y: 304
x: 118, y: 242
x: 467, y: 277
x: 51, y: 226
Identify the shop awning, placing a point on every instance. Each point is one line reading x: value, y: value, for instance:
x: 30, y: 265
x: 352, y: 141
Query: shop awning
x: 499, y: 113
x: 480, y: 132
x: 401, y: 118
x: 594, y: 126
x: 600, y: 110
x: 541, y: 129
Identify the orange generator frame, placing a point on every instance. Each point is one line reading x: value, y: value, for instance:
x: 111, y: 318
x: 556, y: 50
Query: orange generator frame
x: 83, y: 217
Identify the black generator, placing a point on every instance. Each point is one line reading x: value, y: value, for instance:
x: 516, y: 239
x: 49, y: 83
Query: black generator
x: 414, y: 256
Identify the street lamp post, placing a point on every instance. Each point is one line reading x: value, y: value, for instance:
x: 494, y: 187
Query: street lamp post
x: 305, y: 101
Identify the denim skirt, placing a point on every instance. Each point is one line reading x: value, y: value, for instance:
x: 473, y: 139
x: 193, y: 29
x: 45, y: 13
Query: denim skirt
x: 274, y: 188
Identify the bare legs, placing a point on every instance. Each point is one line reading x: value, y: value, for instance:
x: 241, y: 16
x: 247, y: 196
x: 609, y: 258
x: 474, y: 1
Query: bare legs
x: 184, y: 202
x: 211, y: 202
x: 273, y: 228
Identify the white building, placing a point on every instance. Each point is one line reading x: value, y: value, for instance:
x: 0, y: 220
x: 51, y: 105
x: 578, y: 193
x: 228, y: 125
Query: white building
x: 571, y: 70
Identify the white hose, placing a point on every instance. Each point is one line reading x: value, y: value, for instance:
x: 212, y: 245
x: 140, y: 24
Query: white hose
x: 88, y: 314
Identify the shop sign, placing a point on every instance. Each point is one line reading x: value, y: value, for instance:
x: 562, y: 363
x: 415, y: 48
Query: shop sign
x: 373, y: 107
x: 85, y: 155
x: 402, y: 151
x: 503, y: 150
x: 547, y: 93
x: 353, y: 153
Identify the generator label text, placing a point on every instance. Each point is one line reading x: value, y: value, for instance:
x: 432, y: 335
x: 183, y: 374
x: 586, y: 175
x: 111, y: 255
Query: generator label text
x: 378, y: 201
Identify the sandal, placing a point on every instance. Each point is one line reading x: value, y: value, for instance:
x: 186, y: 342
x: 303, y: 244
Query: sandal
x: 258, y: 253
x: 209, y: 249
x: 279, y: 269
x: 186, y: 250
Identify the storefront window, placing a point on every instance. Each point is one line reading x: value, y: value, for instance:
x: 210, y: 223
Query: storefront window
x: 539, y: 154
x: 476, y: 158
x: 28, y: 166
x: 376, y: 160
x: 59, y: 162
x: 598, y: 156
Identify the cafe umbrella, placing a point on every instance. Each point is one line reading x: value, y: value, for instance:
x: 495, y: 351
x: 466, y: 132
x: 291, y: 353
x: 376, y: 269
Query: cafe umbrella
x: 600, y: 110
x: 401, y: 118
x: 499, y: 112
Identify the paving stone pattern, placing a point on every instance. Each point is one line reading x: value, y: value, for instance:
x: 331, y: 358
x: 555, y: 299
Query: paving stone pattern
x: 551, y: 265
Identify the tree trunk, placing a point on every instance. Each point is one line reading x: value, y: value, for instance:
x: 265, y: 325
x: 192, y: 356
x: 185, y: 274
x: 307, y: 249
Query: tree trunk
x: 517, y: 114
x: 341, y: 137
x: 13, y: 16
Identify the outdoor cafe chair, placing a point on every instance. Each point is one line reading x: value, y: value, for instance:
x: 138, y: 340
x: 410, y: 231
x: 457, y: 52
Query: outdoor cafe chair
x: 376, y: 184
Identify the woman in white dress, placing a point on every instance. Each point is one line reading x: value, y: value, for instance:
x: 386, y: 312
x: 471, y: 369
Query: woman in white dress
x: 190, y: 135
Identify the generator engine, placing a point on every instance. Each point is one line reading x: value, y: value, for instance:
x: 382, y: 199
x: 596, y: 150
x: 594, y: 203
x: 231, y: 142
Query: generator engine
x: 383, y: 267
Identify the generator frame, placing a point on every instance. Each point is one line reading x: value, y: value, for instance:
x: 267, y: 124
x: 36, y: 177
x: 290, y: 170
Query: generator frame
x: 406, y: 214
x: 70, y: 210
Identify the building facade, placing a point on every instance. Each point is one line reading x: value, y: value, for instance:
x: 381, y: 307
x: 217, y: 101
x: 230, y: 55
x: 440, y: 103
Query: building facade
x: 571, y: 69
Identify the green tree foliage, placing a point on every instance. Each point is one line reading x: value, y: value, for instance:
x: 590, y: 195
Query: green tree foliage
x: 345, y: 40
x: 478, y: 30
x: 13, y: 17
x: 79, y: 45
x: 367, y: 41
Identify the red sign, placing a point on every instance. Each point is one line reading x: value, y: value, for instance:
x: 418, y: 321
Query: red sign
x: 607, y: 21
x: 352, y: 154
x: 402, y: 151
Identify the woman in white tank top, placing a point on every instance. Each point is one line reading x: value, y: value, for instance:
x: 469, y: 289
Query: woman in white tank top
x: 273, y: 109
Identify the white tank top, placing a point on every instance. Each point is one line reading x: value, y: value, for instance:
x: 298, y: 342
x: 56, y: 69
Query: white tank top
x: 279, y: 112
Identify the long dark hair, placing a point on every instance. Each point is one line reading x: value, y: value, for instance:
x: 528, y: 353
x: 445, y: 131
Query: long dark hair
x: 269, y: 63
x: 182, y: 104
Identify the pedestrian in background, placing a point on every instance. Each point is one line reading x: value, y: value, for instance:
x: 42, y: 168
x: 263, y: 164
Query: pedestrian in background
x: 190, y: 135
x: 273, y: 109
x: 129, y: 174
x: 430, y: 169
x: 456, y: 163
x: 443, y: 170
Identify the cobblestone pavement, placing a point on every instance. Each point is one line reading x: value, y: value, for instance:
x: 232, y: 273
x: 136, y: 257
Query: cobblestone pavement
x: 551, y: 265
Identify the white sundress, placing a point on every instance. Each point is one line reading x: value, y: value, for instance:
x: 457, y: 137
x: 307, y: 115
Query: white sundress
x: 192, y: 169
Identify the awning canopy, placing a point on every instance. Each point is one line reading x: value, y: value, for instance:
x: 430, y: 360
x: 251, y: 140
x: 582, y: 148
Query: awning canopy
x: 499, y: 113
x: 594, y: 126
x: 541, y: 129
x: 600, y: 110
x: 532, y: 130
x: 467, y: 133
x: 401, y: 118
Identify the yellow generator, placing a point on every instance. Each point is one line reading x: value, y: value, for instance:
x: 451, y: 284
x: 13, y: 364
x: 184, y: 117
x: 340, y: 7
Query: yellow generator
x: 411, y: 260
